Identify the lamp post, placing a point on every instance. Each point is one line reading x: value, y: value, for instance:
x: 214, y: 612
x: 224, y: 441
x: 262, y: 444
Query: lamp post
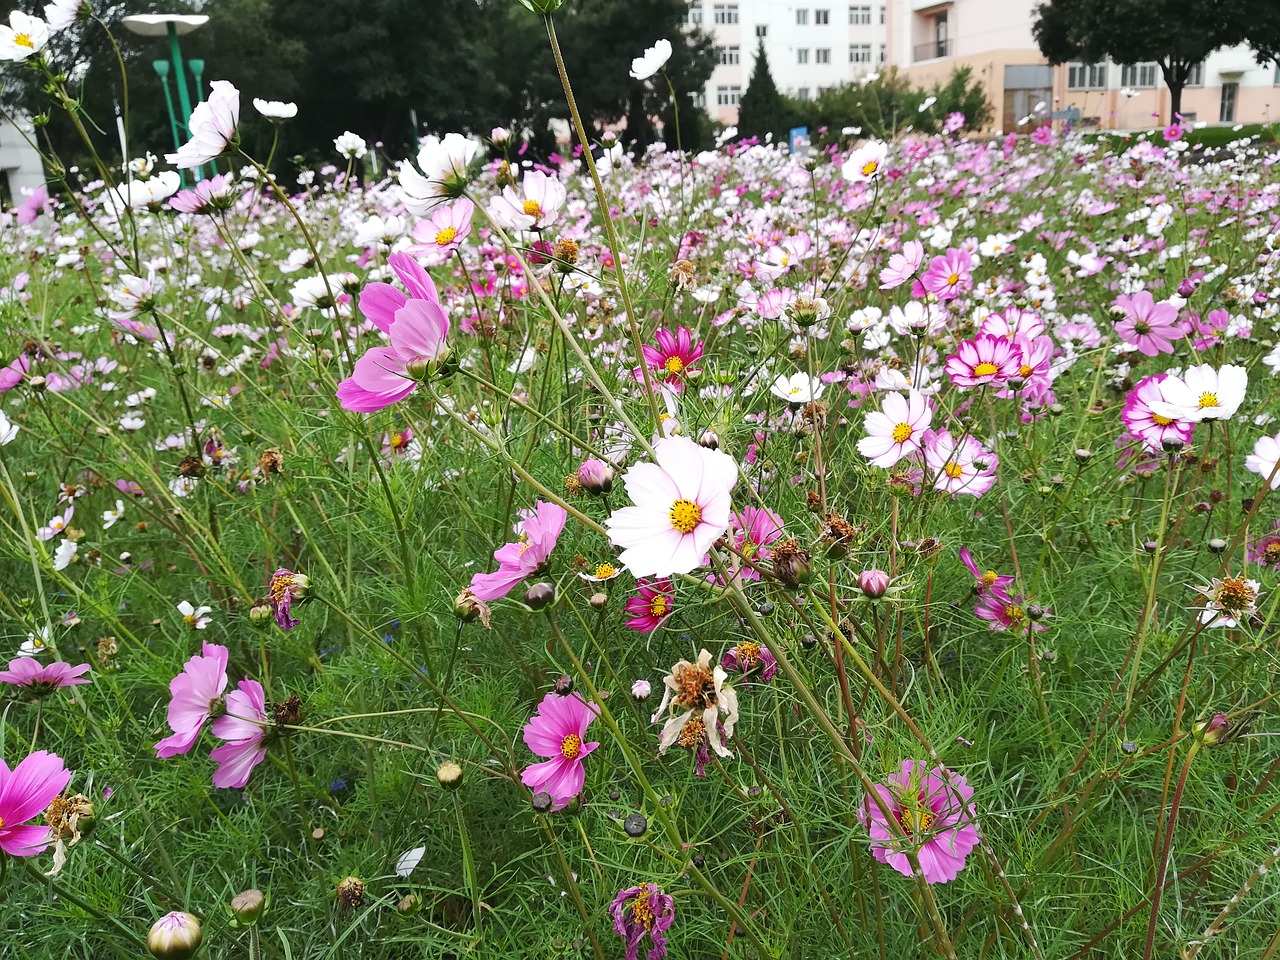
x: 161, y: 68
x: 172, y: 25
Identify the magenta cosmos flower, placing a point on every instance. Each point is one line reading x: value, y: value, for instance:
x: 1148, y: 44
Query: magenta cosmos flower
x: 897, y: 429
x: 983, y: 580
x: 558, y: 731
x: 751, y: 531
x: 1152, y: 428
x: 1151, y: 327
x: 643, y: 911
x: 935, y: 818
x: 27, y: 673
x: 949, y: 275
x: 286, y: 587
x: 651, y: 605
x: 197, y: 692
x: 418, y: 328
x: 538, y: 533
x: 750, y: 658
x: 959, y: 466
x: 1003, y: 612
x: 674, y: 358
x: 244, y: 726
x: 984, y: 359
x: 680, y: 508
x: 25, y: 792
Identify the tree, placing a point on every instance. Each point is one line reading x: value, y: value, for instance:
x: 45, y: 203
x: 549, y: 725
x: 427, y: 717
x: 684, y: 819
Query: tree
x: 763, y: 109
x: 1175, y: 34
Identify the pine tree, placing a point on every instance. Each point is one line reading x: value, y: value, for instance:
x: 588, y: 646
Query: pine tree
x: 763, y: 109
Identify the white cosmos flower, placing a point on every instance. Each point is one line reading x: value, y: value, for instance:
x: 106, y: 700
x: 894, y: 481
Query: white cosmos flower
x: 680, y: 508
x: 444, y: 165
x: 866, y: 163
x: 654, y: 59
x: 64, y: 554
x: 23, y: 36
x: 1203, y: 393
x: 110, y: 517
x: 797, y: 388
x: 36, y: 643
x: 62, y: 13
x: 1264, y: 460
x: 275, y: 110
x: 195, y: 617
x: 351, y: 145
x: 697, y: 691
x: 8, y: 429
x: 213, y: 125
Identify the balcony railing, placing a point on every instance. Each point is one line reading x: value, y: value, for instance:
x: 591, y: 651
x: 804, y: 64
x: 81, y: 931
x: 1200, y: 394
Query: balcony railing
x: 932, y: 50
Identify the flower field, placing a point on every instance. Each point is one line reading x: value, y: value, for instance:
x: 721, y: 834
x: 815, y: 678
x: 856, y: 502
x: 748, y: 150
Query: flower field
x: 865, y: 552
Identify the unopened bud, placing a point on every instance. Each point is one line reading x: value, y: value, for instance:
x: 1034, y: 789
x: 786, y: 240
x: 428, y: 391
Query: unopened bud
x: 596, y: 477
x: 1217, y: 545
x: 709, y: 439
x: 540, y: 595
x: 449, y: 774
x: 873, y: 583
x: 599, y: 601
x: 564, y: 686
x: 408, y: 905
x: 541, y: 802
x: 248, y: 906
x: 175, y: 936
x: 636, y: 825
x: 261, y: 614
x: 1213, y: 730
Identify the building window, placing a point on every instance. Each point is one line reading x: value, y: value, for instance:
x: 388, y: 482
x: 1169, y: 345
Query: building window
x: 882, y: 16
x: 883, y: 53
x: 762, y: 30
x: 693, y: 15
x: 1139, y: 75
x: 726, y: 13
x: 1086, y: 76
x: 728, y: 96
x: 859, y: 16
x: 728, y: 56
x: 821, y: 17
x: 1275, y: 82
x: 822, y: 55
x: 802, y: 55
x: 802, y: 18
x: 700, y: 100
x: 1227, y: 107
x: 859, y: 53
x: 802, y: 93
x: 1195, y: 76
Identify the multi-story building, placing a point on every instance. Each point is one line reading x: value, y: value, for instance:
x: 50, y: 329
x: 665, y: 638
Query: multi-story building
x: 814, y: 44
x: 811, y: 45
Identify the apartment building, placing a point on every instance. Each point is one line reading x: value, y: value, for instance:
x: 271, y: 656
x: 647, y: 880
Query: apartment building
x: 810, y: 45
x: 814, y: 44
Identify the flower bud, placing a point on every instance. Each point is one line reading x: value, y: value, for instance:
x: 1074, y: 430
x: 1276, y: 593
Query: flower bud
x: 564, y: 686
x: 175, y: 936
x: 1213, y: 730
x: 599, y: 601
x: 709, y: 439
x: 408, y: 905
x: 1217, y: 545
x: 596, y: 477
x: 636, y: 825
x: 541, y: 802
x: 540, y: 595
x: 792, y: 564
x: 641, y: 689
x: 499, y: 135
x: 1171, y: 445
x: 873, y: 583
x: 449, y: 774
x: 248, y: 906
x: 261, y: 614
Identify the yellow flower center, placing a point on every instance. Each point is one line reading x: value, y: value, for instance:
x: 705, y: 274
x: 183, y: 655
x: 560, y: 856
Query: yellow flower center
x: 914, y: 821
x: 985, y: 369
x: 988, y: 578
x: 397, y: 440
x: 189, y: 619
x: 953, y: 470
x: 953, y: 279
x: 1235, y: 595
x: 691, y: 733
x: 1208, y: 400
x: 446, y: 236
x: 685, y: 515
x: 1025, y: 371
x: 748, y: 654
x: 571, y: 747
x: 1161, y: 421
x: 673, y: 365
x: 658, y: 607
x: 902, y: 433
x: 640, y: 911
x: 606, y: 570
x: 24, y: 40
x: 533, y: 209
x: 870, y: 167
x: 1014, y: 613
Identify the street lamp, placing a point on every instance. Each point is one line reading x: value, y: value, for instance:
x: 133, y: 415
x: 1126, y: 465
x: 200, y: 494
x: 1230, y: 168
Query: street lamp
x: 172, y: 25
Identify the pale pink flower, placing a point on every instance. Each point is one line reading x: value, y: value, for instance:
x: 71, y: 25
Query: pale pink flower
x: 897, y: 429
x: 196, y: 692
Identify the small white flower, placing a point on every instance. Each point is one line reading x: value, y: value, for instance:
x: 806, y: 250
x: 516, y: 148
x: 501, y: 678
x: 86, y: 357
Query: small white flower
x: 409, y: 860
x: 65, y: 554
x: 641, y: 689
x: 275, y: 110
x: 866, y: 163
x: 350, y: 145
x: 110, y: 517
x: 8, y: 429
x: 23, y: 36
x: 797, y: 388
x: 654, y: 59
x: 36, y: 643
x: 194, y: 617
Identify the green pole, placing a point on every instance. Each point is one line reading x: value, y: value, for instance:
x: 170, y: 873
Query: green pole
x: 197, y: 70
x: 180, y: 81
x: 161, y: 68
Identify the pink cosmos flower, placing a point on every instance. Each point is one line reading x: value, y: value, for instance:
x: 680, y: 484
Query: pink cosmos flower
x: 750, y: 658
x: 440, y: 235
x: 949, y: 275
x: 1173, y: 132
x: 557, y: 731
x: 538, y: 533
x: 680, y: 508
x: 674, y: 358
x: 14, y: 372
x: 26, y: 792
x: 38, y: 202
x: 1151, y: 327
x: 959, y: 466
x: 244, y: 726
x: 983, y: 360
x: 1152, y: 428
x: 902, y: 266
x: 286, y: 587
x: 196, y: 692
x: 207, y: 196
x: 418, y: 328
x: 40, y: 680
x: 1013, y: 323
x: 988, y: 580
x: 537, y: 205
x: 935, y: 818
x: 897, y: 429
x: 643, y: 911
x: 1265, y: 550
x: 1003, y: 612
x: 652, y: 605
x: 751, y: 531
